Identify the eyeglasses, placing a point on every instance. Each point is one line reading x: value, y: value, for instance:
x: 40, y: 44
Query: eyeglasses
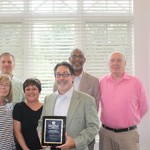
x: 65, y: 75
x: 77, y: 56
x: 4, y: 85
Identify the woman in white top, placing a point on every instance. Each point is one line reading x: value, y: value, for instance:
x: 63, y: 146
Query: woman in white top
x: 6, y: 121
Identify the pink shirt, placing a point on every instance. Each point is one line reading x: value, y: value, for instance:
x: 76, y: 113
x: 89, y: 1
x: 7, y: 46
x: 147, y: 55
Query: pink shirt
x: 123, y: 103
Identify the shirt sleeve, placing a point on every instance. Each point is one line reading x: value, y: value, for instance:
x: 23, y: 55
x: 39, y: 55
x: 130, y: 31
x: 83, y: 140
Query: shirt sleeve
x: 143, y: 100
x: 17, y: 112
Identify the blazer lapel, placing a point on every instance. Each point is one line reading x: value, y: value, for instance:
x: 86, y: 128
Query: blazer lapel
x: 52, y: 104
x: 73, y: 106
x: 84, y: 79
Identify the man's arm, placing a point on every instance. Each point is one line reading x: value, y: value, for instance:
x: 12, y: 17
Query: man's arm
x: 88, y: 134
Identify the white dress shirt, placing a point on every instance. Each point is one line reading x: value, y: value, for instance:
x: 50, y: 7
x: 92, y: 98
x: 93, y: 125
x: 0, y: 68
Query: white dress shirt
x: 62, y: 103
x: 77, y: 80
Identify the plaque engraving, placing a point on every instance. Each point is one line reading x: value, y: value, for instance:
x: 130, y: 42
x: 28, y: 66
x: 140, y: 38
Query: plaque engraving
x: 53, y: 130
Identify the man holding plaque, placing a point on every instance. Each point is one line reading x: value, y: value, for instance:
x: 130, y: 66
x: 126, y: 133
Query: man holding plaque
x: 79, y: 109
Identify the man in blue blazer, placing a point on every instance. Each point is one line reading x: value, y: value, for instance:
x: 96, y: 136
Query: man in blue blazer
x: 82, y: 123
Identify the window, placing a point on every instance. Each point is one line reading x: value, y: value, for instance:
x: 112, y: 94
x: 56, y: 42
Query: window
x: 41, y: 33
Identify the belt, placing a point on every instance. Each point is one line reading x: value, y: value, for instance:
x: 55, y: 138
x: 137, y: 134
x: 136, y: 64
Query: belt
x: 119, y: 130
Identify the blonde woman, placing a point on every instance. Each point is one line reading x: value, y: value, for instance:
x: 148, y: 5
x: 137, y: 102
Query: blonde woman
x: 6, y: 121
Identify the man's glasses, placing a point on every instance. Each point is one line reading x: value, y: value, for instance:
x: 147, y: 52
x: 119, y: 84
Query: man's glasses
x: 77, y: 56
x: 65, y: 75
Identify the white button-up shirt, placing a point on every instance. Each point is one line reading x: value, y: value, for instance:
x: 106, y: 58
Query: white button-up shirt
x: 62, y: 103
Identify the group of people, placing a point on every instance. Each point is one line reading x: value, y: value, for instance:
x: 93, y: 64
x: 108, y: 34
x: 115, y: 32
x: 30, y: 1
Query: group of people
x: 120, y: 98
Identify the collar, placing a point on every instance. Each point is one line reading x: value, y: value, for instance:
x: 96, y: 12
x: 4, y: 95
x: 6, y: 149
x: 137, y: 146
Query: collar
x: 67, y: 94
x: 125, y: 77
x: 80, y: 76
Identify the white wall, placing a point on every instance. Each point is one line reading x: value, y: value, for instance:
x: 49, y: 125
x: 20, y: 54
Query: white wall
x: 142, y: 60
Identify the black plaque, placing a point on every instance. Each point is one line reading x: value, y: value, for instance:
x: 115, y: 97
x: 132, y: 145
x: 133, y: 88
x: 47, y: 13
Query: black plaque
x: 53, y: 130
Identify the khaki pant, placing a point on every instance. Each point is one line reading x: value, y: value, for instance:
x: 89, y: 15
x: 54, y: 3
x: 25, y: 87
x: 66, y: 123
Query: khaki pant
x: 110, y: 140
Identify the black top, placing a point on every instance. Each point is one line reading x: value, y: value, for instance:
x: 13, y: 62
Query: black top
x: 29, y: 122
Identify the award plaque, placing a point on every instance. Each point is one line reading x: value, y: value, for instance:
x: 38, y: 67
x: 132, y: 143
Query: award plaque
x: 53, y: 130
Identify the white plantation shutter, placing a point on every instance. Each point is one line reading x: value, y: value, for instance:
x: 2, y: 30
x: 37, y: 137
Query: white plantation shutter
x: 41, y: 33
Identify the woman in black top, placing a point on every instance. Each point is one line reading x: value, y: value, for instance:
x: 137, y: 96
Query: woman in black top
x: 26, y: 115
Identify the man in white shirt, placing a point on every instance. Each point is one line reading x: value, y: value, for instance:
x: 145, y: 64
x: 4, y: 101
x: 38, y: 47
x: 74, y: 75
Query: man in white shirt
x: 7, y: 64
x: 84, y: 81
x: 82, y: 120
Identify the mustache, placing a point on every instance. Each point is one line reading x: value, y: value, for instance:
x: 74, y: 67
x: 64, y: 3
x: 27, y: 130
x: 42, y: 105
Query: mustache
x: 62, y: 81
